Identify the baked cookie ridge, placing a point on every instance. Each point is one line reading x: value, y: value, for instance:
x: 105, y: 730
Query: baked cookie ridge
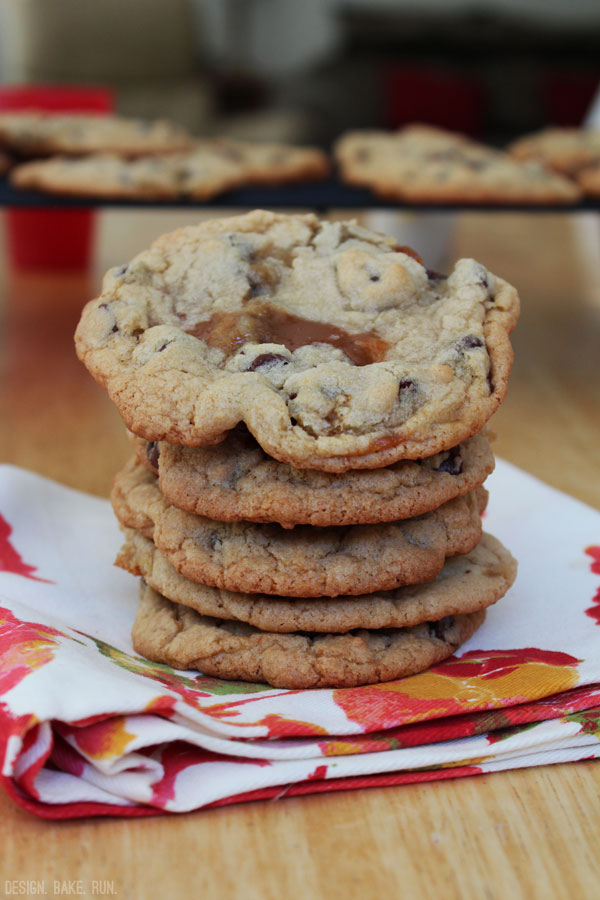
x: 306, y: 561
x: 236, y: 480
x: 466, y: 584
x: 177, y: 636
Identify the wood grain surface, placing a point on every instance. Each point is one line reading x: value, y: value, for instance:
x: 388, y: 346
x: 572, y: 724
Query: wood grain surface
x: 523, y: 834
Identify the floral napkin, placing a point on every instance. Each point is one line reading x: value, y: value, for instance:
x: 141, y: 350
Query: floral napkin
x: 87, y: 727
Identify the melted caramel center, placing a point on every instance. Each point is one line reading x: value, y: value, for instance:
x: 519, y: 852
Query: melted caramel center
x: 401, y: 248
x: 266, y: 324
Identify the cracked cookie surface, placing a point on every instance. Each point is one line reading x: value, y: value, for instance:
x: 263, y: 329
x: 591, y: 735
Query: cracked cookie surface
x: 236, y: 480
x: 336, y: 347
x: 303, y: 562
x: 466, y: 584
x: 423, y: 164
x: 169, y: 633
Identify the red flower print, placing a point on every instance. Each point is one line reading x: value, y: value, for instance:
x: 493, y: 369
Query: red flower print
x: 179, y: 755
x: 319, y: 773
x: 594, y: 611
x: 11, y: 560
x: 477, y: 680
x: 24, y: 647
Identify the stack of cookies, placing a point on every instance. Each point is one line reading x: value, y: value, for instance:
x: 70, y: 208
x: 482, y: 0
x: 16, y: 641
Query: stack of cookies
x: 307, y: 406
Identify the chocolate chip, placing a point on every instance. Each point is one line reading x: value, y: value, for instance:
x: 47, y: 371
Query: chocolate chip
x: 475, y: 164
x: 232, y: 153
x: 153, y: 453
x: 266, y: 360
x: 483, y: 281
x: 213, y: 541
x: 440, y: 628
x: 374, y: 278
x: 490, y: 383
x: 115, y: 327
x: 257, y: 285
x: 432, y: 275
x: 452, y: 464
x: 443, y: 156
x: 121, y: 271
x: 406, y: 385
x: 469, y: 342
x: 293, y: 421
x: 243, y: 247
x: 163, y: 346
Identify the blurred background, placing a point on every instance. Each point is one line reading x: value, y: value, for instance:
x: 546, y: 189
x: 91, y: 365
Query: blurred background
x: 305, y: 70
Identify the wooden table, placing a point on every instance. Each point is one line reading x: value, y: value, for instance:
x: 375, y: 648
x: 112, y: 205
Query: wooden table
x: 523, y: 834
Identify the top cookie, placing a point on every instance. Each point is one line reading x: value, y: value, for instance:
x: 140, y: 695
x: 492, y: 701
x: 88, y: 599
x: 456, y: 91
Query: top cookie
x: 42, y: 134
x: 335, y: 346
x: 565, y: 150
x: 422, y: 164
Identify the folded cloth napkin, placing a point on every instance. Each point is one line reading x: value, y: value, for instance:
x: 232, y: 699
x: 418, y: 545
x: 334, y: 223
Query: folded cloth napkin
x: 87, y: 727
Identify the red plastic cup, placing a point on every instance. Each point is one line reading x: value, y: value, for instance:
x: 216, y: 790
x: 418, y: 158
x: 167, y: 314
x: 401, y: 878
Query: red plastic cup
x: 39, y: 237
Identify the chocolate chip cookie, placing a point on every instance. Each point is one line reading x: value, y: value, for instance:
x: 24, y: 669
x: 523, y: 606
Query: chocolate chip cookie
x: 589, y: 180
x: 236, y: 480
x: 336, y: 347
x: 265, y: 162
x: 74, y: 134
x: 422, y: 164
x: 102, y: 175
x: 211, y: 168
x: 304, y: 562
x: 466, y: 584
x: 566, y: 150
x: 176, y: 635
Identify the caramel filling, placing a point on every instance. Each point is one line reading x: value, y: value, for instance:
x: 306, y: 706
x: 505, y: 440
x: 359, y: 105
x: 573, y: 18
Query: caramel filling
x: 409, y: 252
x: 262, y: 323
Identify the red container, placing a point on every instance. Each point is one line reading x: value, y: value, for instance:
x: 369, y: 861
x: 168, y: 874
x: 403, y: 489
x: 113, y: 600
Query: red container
x: 443, y: 97
x: 39, y: 237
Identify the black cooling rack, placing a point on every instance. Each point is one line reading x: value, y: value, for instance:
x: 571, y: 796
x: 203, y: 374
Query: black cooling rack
x: 318, y: 195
